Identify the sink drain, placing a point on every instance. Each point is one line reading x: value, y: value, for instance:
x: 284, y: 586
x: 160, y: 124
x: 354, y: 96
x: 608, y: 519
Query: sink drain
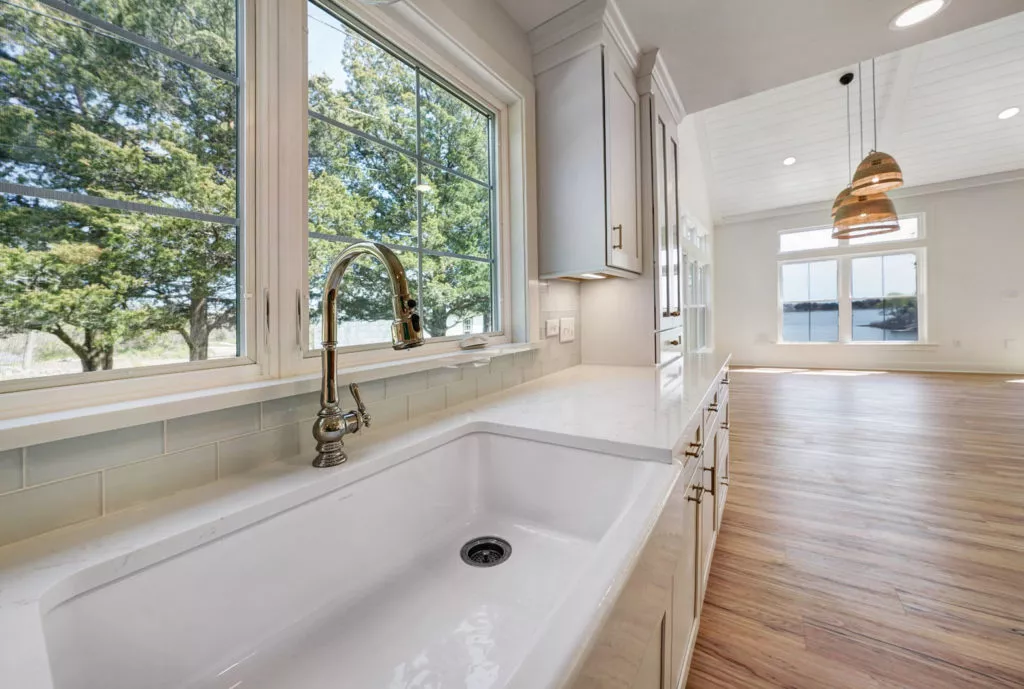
x: 486, y: 551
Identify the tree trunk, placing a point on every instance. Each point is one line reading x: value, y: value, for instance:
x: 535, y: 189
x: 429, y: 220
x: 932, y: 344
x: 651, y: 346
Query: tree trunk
x: 92, y: 356
x: 198, y: 329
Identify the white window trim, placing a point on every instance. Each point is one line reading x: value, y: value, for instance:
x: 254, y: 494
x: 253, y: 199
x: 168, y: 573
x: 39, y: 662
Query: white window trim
x: 843, y: 255
x: 274, y: 189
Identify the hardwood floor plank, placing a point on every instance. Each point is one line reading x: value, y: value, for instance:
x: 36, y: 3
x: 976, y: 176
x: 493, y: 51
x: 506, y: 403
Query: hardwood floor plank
x: 873, y: 537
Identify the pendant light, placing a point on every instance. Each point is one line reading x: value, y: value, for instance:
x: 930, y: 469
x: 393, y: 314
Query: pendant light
x: 856, y: 214
x: 878, y: 172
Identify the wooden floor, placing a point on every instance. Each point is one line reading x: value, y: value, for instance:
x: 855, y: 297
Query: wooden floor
x: 873, y: 536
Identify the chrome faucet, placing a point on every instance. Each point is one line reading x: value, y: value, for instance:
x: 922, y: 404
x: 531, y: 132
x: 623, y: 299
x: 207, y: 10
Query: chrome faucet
x: 331, y: 423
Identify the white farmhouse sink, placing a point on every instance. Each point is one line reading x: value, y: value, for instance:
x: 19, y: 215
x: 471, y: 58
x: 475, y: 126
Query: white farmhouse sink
x: 364, y: 587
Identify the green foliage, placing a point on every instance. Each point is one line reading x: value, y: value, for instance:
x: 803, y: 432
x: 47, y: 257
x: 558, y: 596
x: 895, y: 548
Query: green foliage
x: 90, y: 114
x: 361, y: 189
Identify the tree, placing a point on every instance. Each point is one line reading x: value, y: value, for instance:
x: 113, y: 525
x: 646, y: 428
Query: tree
x: 361, y: 189
x: 87, y: 113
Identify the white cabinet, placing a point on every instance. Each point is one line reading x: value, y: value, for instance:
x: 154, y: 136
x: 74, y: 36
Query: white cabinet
x: 588, y: 168
x: 685, y: 592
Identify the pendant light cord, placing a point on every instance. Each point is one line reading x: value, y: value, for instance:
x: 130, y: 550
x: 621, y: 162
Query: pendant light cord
x: 874, y: 103
x: 849, y: 137
x: 860, y: 104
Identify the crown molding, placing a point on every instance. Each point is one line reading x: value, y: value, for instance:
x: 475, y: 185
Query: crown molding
x: 651, y: 71
x: 581, y: 27
x: 901, y: 193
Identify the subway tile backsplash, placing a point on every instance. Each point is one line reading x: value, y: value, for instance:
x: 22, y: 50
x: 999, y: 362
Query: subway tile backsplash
x: 47, y: 486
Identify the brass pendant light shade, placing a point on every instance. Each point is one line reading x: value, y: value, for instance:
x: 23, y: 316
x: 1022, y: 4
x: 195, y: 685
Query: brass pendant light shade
x: 877, y: 174
x: 862, y: 216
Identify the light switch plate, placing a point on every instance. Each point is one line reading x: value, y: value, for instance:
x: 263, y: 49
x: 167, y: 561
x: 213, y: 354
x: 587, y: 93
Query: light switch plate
x: 552, y: 327
x: 566, y: 329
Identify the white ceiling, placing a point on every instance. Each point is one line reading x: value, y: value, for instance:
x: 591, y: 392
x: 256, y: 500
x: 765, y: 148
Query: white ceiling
x: 937, y: 107
x: 721, y: 50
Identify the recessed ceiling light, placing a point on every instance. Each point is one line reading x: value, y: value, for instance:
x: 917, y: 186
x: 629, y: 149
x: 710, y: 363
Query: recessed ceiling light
x: 1008, y: 113
x: 789, y: 161
x: 917, y: 13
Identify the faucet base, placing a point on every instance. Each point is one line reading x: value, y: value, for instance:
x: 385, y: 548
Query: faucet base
x: 329, y: 456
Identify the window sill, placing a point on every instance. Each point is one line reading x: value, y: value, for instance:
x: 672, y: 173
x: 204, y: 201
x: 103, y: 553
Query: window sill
x: 39, y: 428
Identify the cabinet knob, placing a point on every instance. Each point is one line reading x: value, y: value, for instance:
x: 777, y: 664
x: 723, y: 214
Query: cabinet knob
x: 674, y: 343
x: 674, y: 313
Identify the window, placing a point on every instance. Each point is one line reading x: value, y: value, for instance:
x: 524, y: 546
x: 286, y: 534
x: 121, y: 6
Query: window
x: 122, y: 233
x: 883, y: 293
x: 398, y: 156
x: 805, y: 240
x: 698, y: 290
x: 852, y: 290
x: 810, y: 301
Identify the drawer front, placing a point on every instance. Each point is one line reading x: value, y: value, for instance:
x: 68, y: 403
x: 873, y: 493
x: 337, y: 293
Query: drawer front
x: 669, y: 345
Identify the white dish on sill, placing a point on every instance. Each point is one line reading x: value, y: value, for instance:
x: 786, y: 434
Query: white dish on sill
x: 364, y: 588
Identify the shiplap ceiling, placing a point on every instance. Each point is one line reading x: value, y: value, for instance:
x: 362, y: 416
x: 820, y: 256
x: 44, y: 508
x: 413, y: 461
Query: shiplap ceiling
x: 721, y: 50
x: 937, y: 113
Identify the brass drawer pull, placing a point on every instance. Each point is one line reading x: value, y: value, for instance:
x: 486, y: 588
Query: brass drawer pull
x: 700, y: 495
x: 674, y: 313
x: 713, y: 406
x: 725, y: 425
x: 674, y: 343
x: 696, y: 449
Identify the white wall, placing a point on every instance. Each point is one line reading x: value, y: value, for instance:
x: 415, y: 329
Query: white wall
x: 974, y: 287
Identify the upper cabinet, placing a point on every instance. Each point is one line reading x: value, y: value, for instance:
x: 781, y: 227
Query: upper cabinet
x: 588, y: 149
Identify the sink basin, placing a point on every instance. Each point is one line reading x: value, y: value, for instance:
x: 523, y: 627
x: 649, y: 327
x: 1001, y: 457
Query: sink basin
x: 364, y: 587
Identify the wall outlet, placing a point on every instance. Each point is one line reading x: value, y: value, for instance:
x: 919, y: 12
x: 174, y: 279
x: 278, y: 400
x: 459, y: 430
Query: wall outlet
x: 566, y: 329
x: 552, y: 327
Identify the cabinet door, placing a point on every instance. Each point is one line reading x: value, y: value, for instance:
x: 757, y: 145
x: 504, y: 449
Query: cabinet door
x: 654, y: 666
x: 661, y: 223
x: 675, y: 245
x: 707, y: 509
x: 623, y: 138
x: 684, y: 584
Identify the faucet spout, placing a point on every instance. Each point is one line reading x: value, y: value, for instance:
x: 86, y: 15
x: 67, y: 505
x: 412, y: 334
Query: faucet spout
x: 331, y: 424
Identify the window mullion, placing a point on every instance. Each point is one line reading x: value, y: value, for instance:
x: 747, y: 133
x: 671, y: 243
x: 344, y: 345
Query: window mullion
x: 845, y: 305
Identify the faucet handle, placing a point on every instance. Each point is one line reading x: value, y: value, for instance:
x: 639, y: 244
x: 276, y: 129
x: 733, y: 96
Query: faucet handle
x: 363, y: 414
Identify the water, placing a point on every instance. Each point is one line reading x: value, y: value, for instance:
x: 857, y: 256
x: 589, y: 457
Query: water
x: 823, y: 326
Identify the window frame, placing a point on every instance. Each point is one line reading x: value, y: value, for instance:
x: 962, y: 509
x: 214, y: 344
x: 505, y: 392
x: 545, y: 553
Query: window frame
x: 252, y: 275
x: 275, y: 183
x: 844, y: 254
x: 450, y: 78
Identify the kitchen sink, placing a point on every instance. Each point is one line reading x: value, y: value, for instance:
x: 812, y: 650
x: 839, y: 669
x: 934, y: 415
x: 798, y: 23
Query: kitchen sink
x: 479, y: 564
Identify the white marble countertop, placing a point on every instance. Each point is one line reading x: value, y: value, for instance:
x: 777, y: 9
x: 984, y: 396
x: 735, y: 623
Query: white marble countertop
x: 636, y: 412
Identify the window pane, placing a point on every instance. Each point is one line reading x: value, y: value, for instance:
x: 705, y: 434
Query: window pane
x: 884, y: 291
x: 795, y: 282
x: 456, y: 297
x: 88, y: 289
x: 358, y: 188
x: 455, y: 134
x: 89, y: 114
x: 456, y: 214
x: 810, y: 307
x: 823, y: 281
x: 364, y: 310
x: 357, y: 83
x: 361, y: 189
x: 175, y: 24
x: 807, y: 240
x: 908, y: 230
